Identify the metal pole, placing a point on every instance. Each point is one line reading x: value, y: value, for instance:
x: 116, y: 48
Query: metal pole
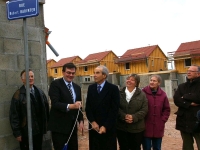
x: 52, y: 48
x: 26, y: 55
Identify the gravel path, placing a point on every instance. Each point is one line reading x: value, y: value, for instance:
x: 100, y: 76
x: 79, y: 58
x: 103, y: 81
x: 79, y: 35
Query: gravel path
x: 171, y: 140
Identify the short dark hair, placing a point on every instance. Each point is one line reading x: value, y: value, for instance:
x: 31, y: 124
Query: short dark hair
x: 68, y: 65
x: 23, y: 72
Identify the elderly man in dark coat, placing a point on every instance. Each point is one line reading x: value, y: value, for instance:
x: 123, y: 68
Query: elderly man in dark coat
x: 101, y: 109
x: 187, y: 99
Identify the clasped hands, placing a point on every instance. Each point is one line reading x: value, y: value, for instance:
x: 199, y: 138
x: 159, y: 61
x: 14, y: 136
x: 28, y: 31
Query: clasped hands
x: 128, y: 118
x: 100, y: 130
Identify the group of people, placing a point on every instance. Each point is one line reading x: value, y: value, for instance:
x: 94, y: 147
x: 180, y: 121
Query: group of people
x: 131, y: 116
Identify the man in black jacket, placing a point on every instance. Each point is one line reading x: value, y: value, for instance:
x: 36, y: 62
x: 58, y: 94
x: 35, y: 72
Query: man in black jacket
x: 39, y: 113
x: 65, y: 98
x: 102, y: 106
x: 187, y: 99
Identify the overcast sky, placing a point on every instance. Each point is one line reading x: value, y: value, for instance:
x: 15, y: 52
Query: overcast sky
x: 83, y: 27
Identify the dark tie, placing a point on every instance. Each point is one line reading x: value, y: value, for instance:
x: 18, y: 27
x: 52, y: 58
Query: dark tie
x: 99, y: 88
x: 33, y: 92
x: 69, y: 88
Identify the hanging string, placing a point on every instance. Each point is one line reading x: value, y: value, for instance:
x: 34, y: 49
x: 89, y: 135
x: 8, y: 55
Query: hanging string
x: 79, y: 110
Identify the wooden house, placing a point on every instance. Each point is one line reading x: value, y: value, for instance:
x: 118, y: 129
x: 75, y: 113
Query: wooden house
x: 142, y: 60
x: 86, y: 66
x: 50, y: 63
x: 186, y: 55
x: 56, y: 69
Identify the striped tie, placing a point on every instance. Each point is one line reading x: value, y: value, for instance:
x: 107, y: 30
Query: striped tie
x: 69, y: 87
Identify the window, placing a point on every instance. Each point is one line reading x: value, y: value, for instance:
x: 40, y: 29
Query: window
x: 165, y: 64
x: 85, y: 68
x: 87, y: 79
x: 187, y: 62
x: 55, y: 71
x: 127, y: 66
x: 152, y: 62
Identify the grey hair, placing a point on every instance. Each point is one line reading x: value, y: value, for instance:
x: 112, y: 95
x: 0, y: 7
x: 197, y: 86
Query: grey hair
x: 104, y: 70
x: 157, y: 77
x: 198, y: 67
x: 136, y: 77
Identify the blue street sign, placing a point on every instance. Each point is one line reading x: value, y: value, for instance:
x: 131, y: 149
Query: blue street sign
x: 17, y: 9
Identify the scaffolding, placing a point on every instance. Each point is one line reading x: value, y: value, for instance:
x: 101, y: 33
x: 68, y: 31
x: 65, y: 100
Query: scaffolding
x: 182, y: 54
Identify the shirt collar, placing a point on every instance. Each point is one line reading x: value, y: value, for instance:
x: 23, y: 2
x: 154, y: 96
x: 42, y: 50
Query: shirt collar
x: 67, y: 82
x: 102, y: 84
x: 30, y: 88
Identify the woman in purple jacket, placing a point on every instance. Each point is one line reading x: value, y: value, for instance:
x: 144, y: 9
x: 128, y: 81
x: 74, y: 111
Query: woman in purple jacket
x: 157, y: 116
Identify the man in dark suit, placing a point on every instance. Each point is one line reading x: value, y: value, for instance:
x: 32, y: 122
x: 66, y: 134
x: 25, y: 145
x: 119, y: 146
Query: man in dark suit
x: 65, y: 98
x: 101, y: 109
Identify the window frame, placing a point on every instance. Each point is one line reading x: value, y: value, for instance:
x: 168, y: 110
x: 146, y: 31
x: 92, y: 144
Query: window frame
x: 127, y: 66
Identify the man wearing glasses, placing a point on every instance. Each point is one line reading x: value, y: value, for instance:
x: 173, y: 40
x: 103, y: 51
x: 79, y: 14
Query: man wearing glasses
x: 65, y: 98
x: 187, y: 99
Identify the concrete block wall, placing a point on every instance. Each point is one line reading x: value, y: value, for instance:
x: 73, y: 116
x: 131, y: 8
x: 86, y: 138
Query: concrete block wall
x: 13, y: 62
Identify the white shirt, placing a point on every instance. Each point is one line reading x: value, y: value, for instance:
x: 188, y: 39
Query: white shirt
x: 129, y: 94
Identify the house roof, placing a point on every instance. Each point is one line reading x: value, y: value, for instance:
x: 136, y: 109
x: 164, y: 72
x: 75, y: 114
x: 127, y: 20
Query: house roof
x: 137, y: 54
x: 188, y: 48
x: 49, y: 60
x: 96, y: 57
x: 63, y: 61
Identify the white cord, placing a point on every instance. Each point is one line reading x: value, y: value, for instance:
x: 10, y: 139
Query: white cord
x: 75, y: 124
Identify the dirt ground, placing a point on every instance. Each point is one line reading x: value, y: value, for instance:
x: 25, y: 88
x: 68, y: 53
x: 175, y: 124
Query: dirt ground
x: 171, y: 140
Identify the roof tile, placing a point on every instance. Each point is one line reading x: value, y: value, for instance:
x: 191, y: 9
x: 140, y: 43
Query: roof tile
x: 63, y: 61
x: 95, y: 57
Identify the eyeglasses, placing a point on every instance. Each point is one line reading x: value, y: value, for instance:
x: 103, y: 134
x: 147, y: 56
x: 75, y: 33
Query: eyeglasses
x: 191, y: 71
x: 72, y: 73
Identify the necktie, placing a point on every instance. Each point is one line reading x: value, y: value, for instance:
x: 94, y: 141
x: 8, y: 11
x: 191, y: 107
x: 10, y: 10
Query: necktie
x: 99, y: 88
x: 32, y: 91
x: 69, y: 88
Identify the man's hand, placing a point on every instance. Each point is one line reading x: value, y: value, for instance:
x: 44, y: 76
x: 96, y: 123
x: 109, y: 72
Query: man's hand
x: 194, y: 104
x: 102, y: 130
x: 95, y: 126
x: 76, y: 105
x: 19, y: 138
x: 128, y: 118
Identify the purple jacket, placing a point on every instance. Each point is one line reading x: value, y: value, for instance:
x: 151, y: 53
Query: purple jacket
x: 158, y: 113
